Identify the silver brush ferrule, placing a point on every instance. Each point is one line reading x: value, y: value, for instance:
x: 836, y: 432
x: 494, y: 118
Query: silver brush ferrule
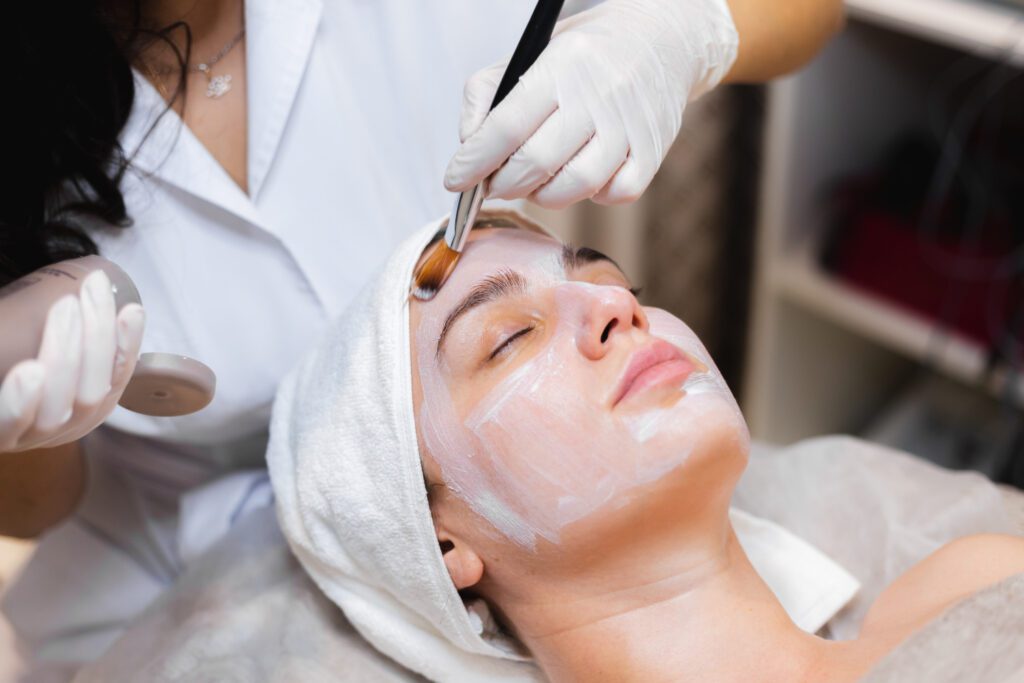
x: 463, y: 215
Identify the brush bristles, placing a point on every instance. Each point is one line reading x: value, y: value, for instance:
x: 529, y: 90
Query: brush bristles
x: 432, y: 274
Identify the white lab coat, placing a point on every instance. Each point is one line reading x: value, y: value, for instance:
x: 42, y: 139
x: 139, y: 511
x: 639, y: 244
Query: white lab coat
x: 353, y: 115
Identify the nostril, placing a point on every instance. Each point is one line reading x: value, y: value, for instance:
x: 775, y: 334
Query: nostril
x: 608, y: 329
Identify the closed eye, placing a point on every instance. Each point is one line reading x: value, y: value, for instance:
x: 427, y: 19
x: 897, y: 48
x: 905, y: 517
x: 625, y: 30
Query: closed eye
x: 508, y: 342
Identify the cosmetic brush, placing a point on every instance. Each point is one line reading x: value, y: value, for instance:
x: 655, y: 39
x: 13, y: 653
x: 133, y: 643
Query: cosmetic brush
x: 431, y: 276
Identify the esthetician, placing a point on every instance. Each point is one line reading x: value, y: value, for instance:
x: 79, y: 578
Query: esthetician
x: 249, y: 165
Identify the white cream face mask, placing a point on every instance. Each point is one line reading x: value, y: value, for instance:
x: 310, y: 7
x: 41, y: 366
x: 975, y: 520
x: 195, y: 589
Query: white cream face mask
x: 544, y: 447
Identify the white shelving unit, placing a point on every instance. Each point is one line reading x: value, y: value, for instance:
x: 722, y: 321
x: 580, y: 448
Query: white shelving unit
x: 824, y: 357
x: 802, y: 282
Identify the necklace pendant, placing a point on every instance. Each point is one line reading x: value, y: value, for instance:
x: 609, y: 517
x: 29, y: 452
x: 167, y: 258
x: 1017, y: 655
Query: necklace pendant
x: 218, y: 85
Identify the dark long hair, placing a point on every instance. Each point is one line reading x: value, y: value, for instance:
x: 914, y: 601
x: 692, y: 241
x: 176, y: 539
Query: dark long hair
x: 72, y: 91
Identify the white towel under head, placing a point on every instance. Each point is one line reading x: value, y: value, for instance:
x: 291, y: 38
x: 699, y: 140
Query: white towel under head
x: 351, y: 500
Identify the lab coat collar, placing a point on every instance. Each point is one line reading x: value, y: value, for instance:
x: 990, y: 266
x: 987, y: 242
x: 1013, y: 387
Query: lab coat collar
x: 279, y: 39
x: 163, y: 149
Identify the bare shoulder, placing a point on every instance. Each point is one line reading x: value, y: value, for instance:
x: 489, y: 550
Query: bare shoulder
x: 953, y: 572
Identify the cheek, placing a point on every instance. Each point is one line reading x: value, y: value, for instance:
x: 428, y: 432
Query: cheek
x: 547, y: 444
x: 537, y: 452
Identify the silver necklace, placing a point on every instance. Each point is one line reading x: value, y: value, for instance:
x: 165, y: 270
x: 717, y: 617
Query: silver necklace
x: 216, y: 86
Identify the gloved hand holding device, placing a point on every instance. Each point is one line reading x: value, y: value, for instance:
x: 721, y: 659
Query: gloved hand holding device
x: 597, y: 112
x: 86, y: 358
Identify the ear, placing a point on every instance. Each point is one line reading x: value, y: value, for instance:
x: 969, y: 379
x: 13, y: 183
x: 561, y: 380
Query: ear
x: 463, y: 564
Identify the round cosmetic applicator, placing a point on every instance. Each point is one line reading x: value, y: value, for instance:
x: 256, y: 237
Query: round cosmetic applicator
x: 163, y: 384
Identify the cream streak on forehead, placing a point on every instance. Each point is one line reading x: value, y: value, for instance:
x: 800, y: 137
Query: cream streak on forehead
x: 532, y: 255
x: 540, y: 451
x: 509, y: 249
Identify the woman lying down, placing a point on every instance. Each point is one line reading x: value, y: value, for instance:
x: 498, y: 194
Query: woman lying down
x: 560, y: 459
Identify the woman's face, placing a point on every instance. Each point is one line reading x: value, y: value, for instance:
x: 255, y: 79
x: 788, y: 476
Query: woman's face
x: 549, y: 402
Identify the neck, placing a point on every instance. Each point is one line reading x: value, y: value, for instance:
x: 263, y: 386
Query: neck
x: 703, y: 615
x: 205, y: 18
x: 209, y: 22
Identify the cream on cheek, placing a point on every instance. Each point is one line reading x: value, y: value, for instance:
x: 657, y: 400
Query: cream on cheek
x: 541, y: 450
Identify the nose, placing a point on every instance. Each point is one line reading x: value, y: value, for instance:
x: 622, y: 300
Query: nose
x: 603, y: 312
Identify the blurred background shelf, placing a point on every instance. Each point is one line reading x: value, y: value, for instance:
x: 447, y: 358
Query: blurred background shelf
x: 823, y: 356
x: 802, y: 281
x: 985, y: 28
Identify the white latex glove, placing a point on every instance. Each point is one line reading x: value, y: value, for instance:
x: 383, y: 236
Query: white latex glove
x: 86, y: 358
x: 597, y: 112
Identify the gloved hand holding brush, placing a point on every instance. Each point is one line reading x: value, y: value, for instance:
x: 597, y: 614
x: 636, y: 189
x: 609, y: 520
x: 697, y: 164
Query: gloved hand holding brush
x: 597, y: 112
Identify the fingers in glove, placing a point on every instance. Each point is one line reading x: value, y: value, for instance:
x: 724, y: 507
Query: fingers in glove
x: 129, y: 328
x: 477, y: 97
x: 99, y: 338
x: 627, y: 185
x: 586, y: 173
x: 554, y: 144
x: 131, y: 323
x: 83, y: 421
x: 61, y: 354
x: 646, y: 153
x: 20, y: 394
x: 504, y: 131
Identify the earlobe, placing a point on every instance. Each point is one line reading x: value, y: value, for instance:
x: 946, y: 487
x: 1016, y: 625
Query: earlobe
x: 464, y: 566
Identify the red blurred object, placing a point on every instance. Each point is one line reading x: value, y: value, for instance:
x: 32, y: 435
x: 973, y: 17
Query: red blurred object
x: 936, y: 276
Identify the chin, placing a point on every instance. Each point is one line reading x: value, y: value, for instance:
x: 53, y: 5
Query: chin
x: 704, y: 424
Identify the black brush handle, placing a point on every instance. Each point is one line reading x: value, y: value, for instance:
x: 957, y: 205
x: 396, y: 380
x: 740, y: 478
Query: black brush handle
x: 535, y: 39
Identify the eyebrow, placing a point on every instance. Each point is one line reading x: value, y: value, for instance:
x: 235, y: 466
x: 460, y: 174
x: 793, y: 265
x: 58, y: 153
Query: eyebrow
x: 573, y: 257
x: 489, y: 289
x: 507, y: 282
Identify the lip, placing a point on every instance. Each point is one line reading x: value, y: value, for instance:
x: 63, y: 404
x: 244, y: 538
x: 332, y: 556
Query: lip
x: 654, y: 364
